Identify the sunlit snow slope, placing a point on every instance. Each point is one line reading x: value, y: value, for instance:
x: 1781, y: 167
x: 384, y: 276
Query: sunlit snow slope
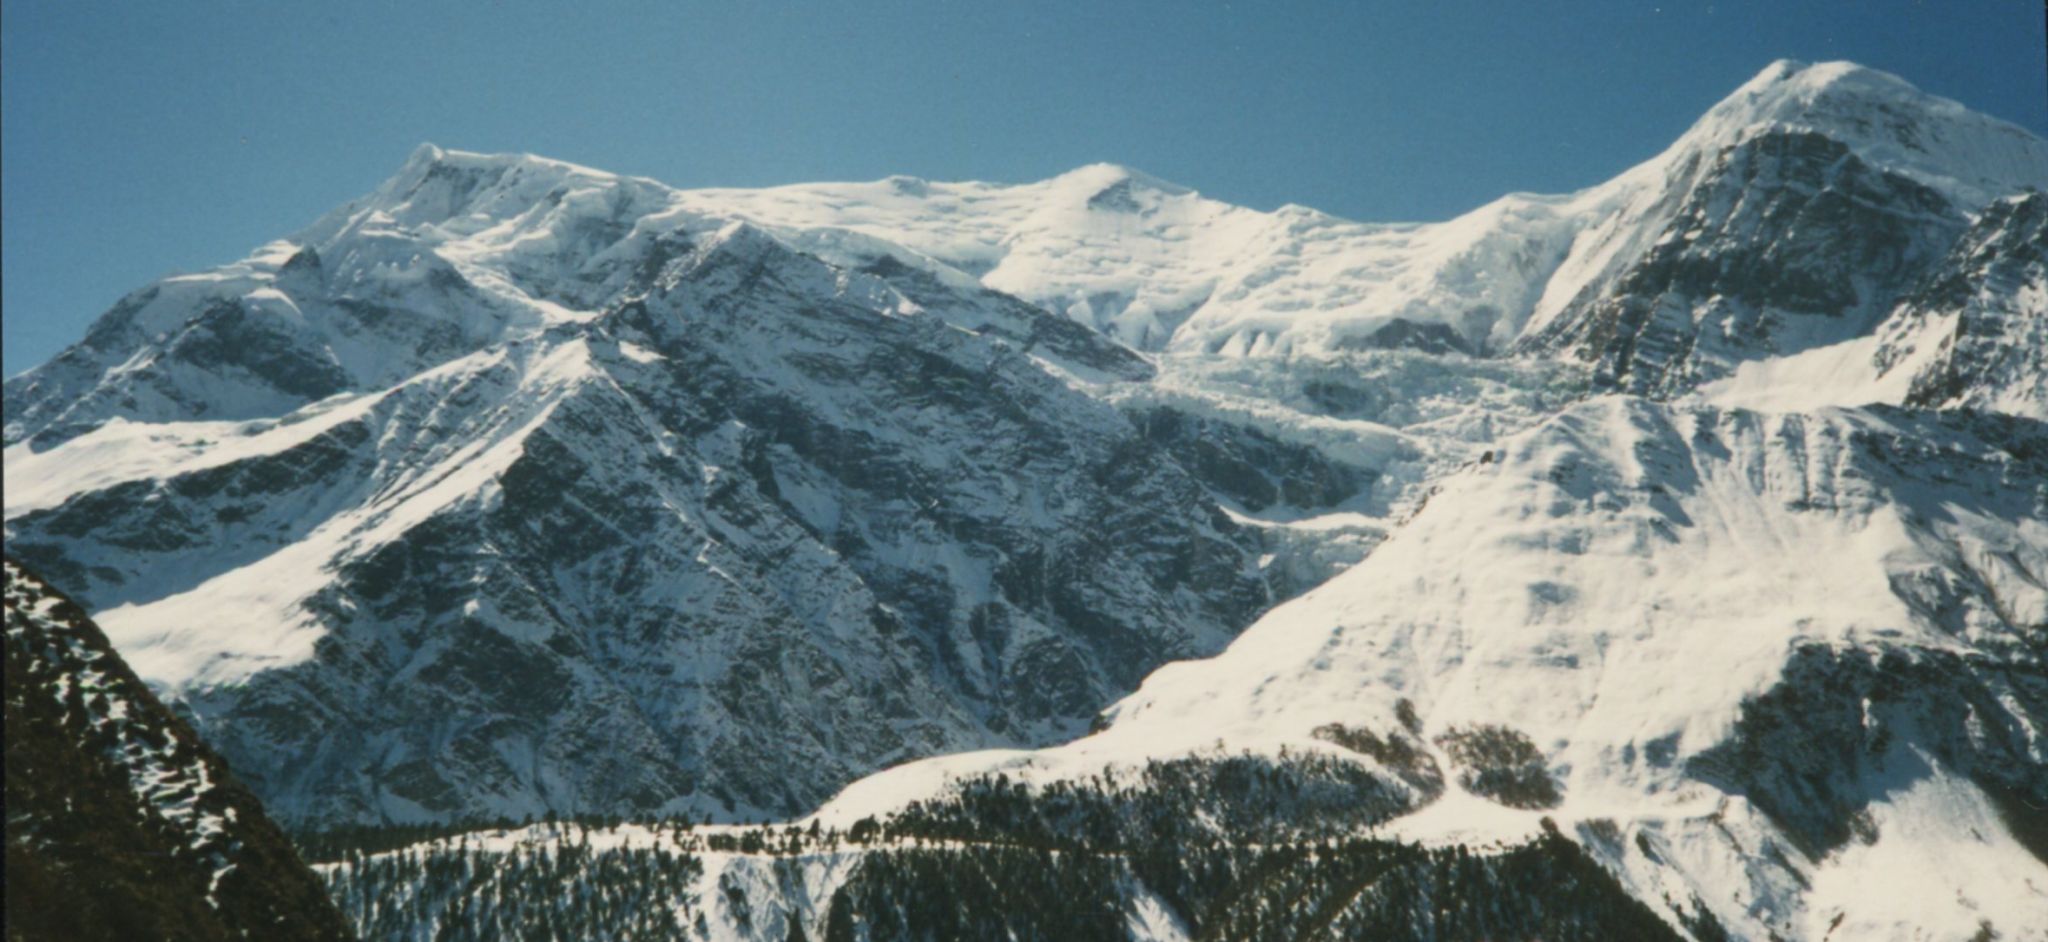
x: 1783, y: 664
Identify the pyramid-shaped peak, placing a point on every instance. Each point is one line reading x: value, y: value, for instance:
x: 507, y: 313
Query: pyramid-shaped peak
x: 1793, y: 92
x: 1885, y: 120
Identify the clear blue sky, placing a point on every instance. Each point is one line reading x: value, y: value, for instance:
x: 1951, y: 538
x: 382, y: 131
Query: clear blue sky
x: 143, y: 138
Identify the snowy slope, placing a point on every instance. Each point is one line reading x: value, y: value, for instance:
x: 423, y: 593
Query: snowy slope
x: 1973, y: 334
x: 1780, y: 675
x: 1158, y: 266
x: 1726, y: 632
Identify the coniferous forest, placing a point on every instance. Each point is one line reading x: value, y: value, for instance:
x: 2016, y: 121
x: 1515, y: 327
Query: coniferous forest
x: 999, y: 860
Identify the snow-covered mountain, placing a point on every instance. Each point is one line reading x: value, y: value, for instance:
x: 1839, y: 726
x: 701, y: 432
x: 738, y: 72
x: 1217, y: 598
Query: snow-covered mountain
x: 121, y: 824
x: 1700, y: 511
x: 764, y: 526
x: 1768, y: 665
x: 1706, y: 253
x: 1775, y: 675
x: 1728, y: 217
x: 1791, y: 216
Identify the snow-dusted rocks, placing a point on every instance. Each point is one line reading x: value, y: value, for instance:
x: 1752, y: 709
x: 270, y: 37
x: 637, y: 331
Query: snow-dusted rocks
x: 1781, y: 242
x: 760, y: 528
x: 1972, y: 333
x: 1977, y: 334
x: 1792, y: 216
x: 121, y: 824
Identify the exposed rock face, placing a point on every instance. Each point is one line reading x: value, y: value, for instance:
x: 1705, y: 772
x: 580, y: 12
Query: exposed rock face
x: 121, y: 824
x: 1843, y: 727
x: 1251, y: 468
x: 756, y: 531
x: 1777, y: 244
x: 1976, y: 334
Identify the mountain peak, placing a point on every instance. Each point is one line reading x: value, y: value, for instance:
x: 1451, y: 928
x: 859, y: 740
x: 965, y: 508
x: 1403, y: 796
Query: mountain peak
x: 1969, y: 156
x: 1113, y: 186
x: 429, y: 155
x: 426, y: 153
x: 1789, y: 91
x: 1823, y: 75
x: 430, y: 164
x: 437, y: 186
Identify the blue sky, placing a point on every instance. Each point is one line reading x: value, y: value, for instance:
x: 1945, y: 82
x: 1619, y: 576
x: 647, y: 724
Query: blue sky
x: 140, y: 139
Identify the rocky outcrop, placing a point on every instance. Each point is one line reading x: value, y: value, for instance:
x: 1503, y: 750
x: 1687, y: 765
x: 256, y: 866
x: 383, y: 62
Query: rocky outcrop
x: 1975, y: 335
x: 1782, y: 242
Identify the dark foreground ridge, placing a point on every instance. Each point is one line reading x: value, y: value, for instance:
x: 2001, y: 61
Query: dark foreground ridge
x: 121, y: 824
